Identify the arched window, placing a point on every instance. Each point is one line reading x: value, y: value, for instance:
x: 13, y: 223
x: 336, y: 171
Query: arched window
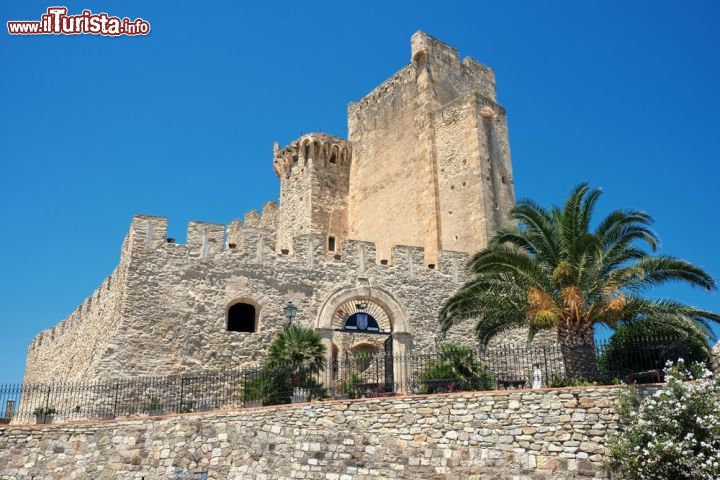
x: 361, y: 315
x: 362, y: 321
x: 241, y: 318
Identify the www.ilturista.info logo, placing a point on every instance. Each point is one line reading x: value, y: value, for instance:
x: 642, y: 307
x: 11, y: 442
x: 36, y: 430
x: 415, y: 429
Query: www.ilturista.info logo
x: 57, y: 22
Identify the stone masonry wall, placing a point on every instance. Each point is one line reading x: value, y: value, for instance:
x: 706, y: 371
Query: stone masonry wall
x: 525, y: 434
x: 175, y: 300
x: 431, y: 163
x: 314, y: 176
x: 78, y: 342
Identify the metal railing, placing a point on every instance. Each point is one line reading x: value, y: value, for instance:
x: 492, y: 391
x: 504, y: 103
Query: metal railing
x: 500, y: 367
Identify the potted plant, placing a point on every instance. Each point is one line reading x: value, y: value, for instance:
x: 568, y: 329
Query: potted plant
x: 455, y: 370
x: 257, y: 389
x: 44, y: 415
x: 153, y: 407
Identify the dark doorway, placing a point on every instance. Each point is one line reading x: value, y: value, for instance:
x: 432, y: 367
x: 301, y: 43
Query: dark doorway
x: 241, y: 318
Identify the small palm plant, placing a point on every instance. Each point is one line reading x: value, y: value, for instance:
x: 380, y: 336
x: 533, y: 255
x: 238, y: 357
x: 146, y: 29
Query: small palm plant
x: 299, y: 353
x: 550, y: 270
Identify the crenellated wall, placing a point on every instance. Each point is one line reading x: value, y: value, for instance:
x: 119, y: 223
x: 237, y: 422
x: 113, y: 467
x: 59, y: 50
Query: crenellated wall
x: 166, y: 309
x: 73, y: 348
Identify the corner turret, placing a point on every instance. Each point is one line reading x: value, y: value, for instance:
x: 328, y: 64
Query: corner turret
x: 314, y: 173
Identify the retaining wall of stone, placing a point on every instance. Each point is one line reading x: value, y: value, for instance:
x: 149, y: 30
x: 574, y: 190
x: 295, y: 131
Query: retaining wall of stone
x: 522, y: 434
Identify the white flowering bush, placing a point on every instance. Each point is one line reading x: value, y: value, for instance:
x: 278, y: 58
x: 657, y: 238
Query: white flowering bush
x: 673, y: 434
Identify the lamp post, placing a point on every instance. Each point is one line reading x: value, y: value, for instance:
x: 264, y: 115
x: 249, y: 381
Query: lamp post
x: 290, y: 312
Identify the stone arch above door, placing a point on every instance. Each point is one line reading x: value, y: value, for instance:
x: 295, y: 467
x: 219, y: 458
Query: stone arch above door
x: 396, y: 313
x: 400, y: 329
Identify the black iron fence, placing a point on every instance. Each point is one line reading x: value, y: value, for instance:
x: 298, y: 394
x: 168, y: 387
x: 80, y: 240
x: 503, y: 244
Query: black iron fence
x: 351, y: 376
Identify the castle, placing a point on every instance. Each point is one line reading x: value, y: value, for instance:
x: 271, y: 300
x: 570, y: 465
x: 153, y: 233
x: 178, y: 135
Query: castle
x: 371, y: 234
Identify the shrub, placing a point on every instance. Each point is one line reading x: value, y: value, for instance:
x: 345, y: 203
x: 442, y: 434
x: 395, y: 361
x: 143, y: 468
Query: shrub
x: 153, y: 404
x: 673, y: 434
x: 456, y: 369
x: 45, y: 411
x: 350, y: 387
x: 363, y: 357
x: 261, y: 387
x: 643, y: 345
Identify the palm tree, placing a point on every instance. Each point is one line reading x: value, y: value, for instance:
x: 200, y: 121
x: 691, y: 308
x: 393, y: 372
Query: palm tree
x: 298, y: 351
x: 550, y: 270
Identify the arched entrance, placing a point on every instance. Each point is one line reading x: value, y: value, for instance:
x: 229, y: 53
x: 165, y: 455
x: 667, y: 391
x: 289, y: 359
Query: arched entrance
x: 366, y: 312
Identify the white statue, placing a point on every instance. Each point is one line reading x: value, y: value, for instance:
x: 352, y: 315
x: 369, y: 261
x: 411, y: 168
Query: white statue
x: 536, y: 377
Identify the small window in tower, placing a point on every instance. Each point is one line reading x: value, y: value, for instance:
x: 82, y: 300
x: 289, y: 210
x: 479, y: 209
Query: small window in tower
x: 331, y: 244
x: 241, y: 318
x: 333, y: 158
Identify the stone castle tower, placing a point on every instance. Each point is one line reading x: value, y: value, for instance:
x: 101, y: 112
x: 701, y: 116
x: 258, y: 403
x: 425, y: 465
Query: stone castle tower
x: 381, y: 223
x: 427, y: 162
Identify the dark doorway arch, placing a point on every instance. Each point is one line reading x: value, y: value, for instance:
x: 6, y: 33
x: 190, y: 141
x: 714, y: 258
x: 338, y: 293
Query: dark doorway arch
x: 241, y: 317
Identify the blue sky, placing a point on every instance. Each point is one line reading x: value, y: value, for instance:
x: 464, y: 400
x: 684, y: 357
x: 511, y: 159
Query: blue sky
x: 180, y: 123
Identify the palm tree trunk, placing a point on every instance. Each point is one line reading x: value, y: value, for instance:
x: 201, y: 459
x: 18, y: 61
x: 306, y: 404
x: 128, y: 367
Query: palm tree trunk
x: 578, y: 350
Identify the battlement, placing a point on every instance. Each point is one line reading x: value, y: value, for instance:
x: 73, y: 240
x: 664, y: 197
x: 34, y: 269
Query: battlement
x: 255, y: 244
x: 316, y: 150
x: 386, y: 89
x: 72, y: 325
x: 427, y: 51
x: 422, y: 44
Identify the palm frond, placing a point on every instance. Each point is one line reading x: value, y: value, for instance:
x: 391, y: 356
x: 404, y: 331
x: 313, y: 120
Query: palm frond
x: 663, y: 269
x: 670, y: 312
x: 509, y: 260
x: 538, y: 223
x: 551, y: 270
x: 571, y: 220
x: 588, y: 206
x: 613, y: 225
x: 488, y: 328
